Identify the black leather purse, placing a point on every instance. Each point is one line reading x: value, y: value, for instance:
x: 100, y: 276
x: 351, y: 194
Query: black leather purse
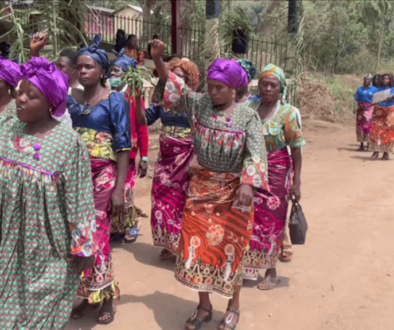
x: 297, y: 224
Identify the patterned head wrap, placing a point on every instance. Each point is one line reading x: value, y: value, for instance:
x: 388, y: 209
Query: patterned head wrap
x: 51, y: 82
x: 123, y: 61
x: 277, y: 72
x: 99, y: 55
x: 249, y: 68
x: 10, y: 72
x: 229, y: 72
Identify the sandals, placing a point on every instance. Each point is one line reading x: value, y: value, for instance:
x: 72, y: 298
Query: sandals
x: 226, y: 323
x: 375, y: 155
x: 111, y: 315
x: 197, y: 323
x: 132, y: 234
x: 286, y: 254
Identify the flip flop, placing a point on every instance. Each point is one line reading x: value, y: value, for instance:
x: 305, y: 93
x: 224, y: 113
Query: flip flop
x: 132, y: 236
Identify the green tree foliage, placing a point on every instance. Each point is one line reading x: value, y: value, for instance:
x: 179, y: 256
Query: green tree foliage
x: 63, y: 20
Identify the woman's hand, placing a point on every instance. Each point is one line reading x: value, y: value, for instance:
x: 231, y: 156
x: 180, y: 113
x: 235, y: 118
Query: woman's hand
x: 295, y: 192
x: 117, y: 200
x: 142, y: 168
x: 244, y: 196
x: 157, y: 49
x: 390, y: 97
x: 37, y: 43
x: 84, y: 263
x: 189, y: 167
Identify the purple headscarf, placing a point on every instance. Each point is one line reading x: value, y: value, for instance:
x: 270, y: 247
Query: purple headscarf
x: 51, y: 82
x: 10, y: 72
x: 229, y: 72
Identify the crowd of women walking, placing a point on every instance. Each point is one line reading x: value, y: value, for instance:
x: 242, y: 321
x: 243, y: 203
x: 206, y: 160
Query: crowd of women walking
x: 375, y: 120
x: 229, y: 163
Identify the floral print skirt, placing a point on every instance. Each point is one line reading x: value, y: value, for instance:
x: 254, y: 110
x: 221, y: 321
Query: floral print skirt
x: 215, y: 234
x: 98, y: 283
x: 364, y: 122
x: 270, y: 209
x: 382, y: 134
x: 170, y: 185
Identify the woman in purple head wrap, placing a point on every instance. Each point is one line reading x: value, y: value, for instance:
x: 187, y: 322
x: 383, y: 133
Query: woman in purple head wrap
x: 231, y: 162
x: 46, y: 205
x: 101, y: 116
x: 9, y: 78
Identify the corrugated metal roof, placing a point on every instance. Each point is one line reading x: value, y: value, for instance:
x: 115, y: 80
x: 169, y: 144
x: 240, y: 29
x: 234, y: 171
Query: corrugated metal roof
x: 107, y: 10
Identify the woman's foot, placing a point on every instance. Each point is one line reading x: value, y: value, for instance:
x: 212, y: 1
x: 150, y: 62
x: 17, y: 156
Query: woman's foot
x: 165, y: 254
x: 386, y: 156
x: 108, y: 309
x: 230, y: 320
x: 79, y: 311
x: 270, y: 280
x: 285, y: 253
x: 361, y: 147
x: 375, y: 155
x: 200, y: 316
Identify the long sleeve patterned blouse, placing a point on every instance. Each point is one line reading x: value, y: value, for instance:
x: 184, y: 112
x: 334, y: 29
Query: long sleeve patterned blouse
x: 222, y: 142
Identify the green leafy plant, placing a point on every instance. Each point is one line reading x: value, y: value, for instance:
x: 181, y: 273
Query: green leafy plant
x: 135, y: 78
x: 63, y: 20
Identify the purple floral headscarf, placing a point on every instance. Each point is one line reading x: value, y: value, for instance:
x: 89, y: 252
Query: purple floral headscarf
x: 229, y: 72
x: 51, y: 82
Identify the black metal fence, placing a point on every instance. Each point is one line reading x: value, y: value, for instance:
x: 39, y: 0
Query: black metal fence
x: 191, y: 40
x: 263, y: 52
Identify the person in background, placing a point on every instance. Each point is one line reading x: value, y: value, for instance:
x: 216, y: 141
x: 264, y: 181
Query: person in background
x: 121, y: 40
x: 231, y: 162
x: 377, y: 80
x: 127, y: 224
x: 173, y: 164
x: 101, y: 117
x: 171, y: 178
x: 66, y: 63
x: 281, y: 129
x: 46, y: 205
x: 155, y: 36
x: 9, y: 78
x: 242, y: 93
x: 132, y: 49
x: 364, y: 111
x: 5, y: 50
x: 382, y: 135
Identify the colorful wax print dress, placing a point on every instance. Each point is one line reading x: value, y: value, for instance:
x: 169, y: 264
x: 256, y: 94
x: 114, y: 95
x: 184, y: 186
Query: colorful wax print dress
x: 364, y: 97
x: 382, y: 134
x: 46, y: 216
x: 215, y: 231
x: 270, y: 207
x: 105, y: 129
x: 170, y: 182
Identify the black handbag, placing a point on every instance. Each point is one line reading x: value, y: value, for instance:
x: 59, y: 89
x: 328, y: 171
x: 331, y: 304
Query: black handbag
x: 297, y: 224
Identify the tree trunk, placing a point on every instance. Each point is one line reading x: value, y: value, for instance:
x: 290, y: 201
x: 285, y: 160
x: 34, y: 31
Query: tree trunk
x: 381, y: 36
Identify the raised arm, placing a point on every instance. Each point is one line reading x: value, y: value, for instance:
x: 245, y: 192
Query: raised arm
x: 157, y: 50
x: 37, y: 43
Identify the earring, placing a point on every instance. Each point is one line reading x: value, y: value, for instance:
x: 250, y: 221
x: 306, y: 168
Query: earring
x: 50, y: 110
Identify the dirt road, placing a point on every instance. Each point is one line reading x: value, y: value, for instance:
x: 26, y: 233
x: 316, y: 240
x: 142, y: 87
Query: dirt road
x: 342, y: 279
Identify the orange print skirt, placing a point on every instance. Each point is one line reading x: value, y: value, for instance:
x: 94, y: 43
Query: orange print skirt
x: 382, y: 134
x: 215, y: 234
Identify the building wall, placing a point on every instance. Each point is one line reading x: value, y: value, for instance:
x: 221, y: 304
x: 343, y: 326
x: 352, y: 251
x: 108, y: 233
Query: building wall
x: 129, y: 20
